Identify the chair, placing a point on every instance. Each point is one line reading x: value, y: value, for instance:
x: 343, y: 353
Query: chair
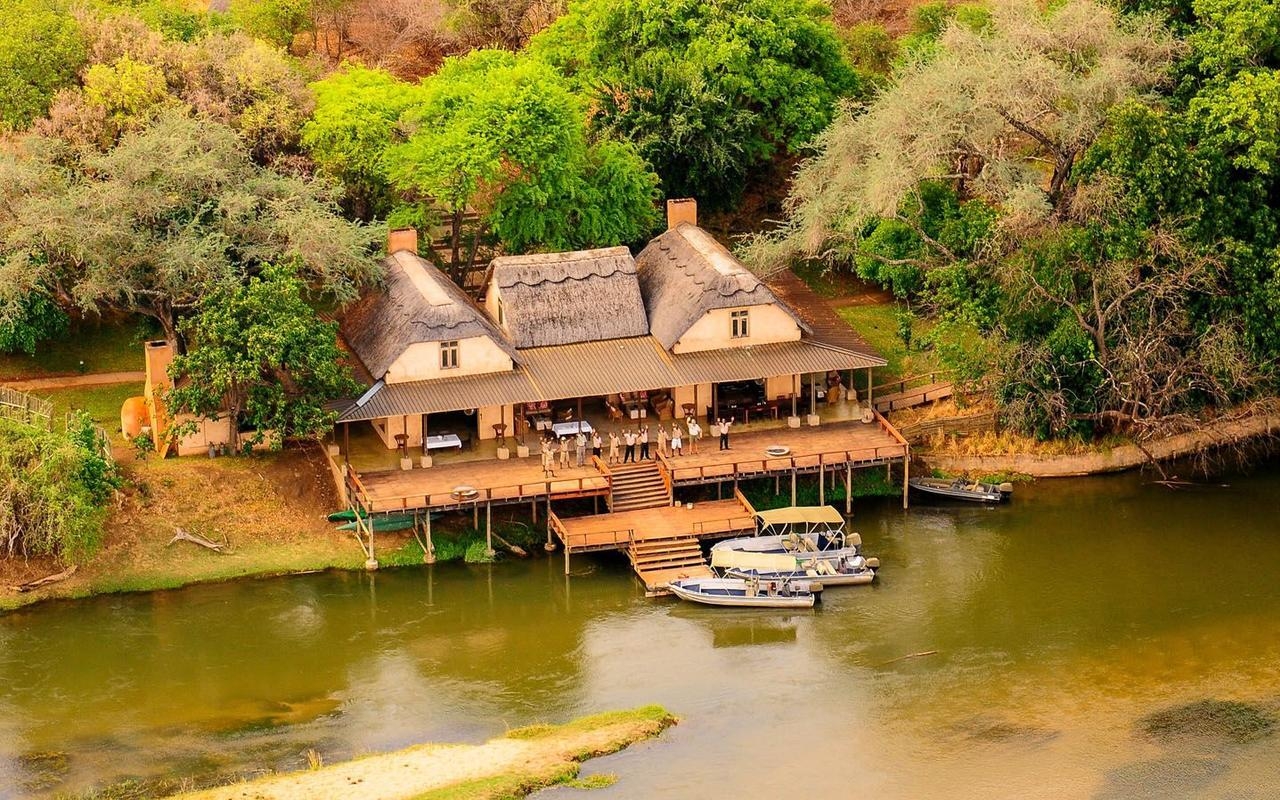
x: 615, y: 413
x: 500, y: 433
x: 402, y: 444
x: 688, y: 409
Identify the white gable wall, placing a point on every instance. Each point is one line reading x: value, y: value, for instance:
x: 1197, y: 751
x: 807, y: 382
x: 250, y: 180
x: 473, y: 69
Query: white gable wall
x: 767, y: 324
x: 421, y: 361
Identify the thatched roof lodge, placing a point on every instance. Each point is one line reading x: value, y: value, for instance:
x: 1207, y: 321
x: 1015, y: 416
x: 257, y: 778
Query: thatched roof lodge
x: 557, y: 329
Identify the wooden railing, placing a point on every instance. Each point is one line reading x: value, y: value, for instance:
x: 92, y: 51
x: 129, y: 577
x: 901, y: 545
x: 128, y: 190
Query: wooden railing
x: 664, y: 469
x: 594, y: 540
x: 922, y: 379
x: 25, y: 408
x: 756, y: 466
x: 565, y: 487
x: 928, y: 429
x: 889, y: 429
x: 724, y: 525
x: 742, y: 498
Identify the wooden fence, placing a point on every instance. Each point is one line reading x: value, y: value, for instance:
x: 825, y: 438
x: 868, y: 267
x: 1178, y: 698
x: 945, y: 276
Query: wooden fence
x: 25, y: 408
x: 928, y: 429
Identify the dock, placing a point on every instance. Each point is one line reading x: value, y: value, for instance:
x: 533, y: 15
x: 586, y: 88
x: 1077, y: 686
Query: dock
x: 663, y: 543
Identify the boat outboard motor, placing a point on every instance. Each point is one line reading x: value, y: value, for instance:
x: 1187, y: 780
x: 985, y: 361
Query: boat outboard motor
x: 856, y: 563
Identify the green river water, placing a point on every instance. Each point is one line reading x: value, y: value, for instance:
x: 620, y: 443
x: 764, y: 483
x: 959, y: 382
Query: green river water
x: 1060, y: 620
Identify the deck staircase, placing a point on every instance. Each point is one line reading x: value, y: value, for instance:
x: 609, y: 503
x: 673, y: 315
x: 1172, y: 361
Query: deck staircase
x: 638, y: 485
x: 657, y: 561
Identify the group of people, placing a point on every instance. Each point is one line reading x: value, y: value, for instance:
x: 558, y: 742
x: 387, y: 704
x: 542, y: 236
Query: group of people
x: 670, y: 444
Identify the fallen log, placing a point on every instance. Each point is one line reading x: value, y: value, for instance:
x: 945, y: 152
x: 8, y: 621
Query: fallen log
x: 514, y: 548
x: 910, y: 655
x: 182, y: 536
x: 46, y: 580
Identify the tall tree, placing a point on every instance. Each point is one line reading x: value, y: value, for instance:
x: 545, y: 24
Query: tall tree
x: 174, y: 208
x: 504, y: 136
x: 706, y: 91
x: 259, y: 353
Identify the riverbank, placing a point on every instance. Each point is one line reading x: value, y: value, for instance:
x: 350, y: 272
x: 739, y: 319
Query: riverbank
x: 1261, y: 421
x: 515, y: 765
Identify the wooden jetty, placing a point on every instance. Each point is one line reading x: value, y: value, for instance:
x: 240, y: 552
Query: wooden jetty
x: 910, y: 392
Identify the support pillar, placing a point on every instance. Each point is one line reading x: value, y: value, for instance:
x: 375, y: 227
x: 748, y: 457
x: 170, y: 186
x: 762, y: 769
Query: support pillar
x: 870, y: 401
x: 488, y: 529
x: 906, y: 471
x: 533, y: 510
x: 566, y: 560
x: 793, y: 486
x: 848, y: 486
x: 822, y: 483
x: 475, y: 516
x: 430, y: 556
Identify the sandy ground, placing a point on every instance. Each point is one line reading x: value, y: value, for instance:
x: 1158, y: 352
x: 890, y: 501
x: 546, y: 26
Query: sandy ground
x: 426, y: 768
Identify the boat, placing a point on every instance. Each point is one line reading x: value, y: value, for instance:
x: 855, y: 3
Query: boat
x: 848, y: 570
x: 383, y: 524
x: 346, y: 515
x: 746, y: 593
x: 804, y: 531
x: 961, y: 489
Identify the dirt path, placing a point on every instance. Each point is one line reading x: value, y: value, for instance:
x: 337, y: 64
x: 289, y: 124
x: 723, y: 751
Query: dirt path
x: 73, y: 381
x: 513, y: 765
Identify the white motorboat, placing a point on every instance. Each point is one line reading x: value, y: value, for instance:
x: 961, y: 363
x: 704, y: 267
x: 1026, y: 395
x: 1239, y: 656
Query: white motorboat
x: 846, y: 570
x: 746, y: 593
x: 804, y: 533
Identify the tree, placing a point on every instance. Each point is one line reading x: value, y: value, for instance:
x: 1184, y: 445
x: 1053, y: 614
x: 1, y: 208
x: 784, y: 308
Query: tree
x: 355, y: 122
x: 260, y: 354
x: 28, y: 319
x: 276, y: 21
x: 504, y: 136
x: 706, y: 91
x: 173, y: 208
x: 40, y: 52
x: 1009, y: 110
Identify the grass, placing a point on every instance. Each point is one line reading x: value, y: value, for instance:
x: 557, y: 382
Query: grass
x: 523, y: 761
x: 101, y: 402
x: 878, y: 324
x: 102, y: 347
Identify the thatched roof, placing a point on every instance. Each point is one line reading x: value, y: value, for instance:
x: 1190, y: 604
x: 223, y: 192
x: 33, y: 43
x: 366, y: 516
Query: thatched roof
x: 563, y: 298
x: 418, y: 304
x: 684, y: 273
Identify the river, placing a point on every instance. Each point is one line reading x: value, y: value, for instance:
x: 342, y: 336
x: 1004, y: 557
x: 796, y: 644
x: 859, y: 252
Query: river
x: 1059, y: 621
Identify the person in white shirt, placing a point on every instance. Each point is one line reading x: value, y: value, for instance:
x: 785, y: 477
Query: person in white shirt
x: 644, y: 442
x: 580, y: 441
x: 723, y: 426
x: 629, y: 436
x: 695, y: 433
x: 677, y: 448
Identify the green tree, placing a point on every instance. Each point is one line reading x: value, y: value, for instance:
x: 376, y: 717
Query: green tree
x: 40, y: 51
x: 355, y: 122
x: 28, y: 319
x: 505, y: 136
x: 706, y: 91
x: 173, y: 208
x: 258, y: 352
x: 275, y: 21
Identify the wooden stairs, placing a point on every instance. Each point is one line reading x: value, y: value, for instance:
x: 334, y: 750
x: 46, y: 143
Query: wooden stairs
x: 657, y: 561
x: 638, y: 485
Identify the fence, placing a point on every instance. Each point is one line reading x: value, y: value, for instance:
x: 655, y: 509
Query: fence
x: 25, y: 408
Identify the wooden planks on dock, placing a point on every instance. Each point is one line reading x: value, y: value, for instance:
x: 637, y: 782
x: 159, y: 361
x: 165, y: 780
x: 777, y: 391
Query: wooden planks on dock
x: 918, y: 396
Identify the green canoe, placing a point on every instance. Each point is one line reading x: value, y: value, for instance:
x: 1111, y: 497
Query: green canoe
x: 392, y: 522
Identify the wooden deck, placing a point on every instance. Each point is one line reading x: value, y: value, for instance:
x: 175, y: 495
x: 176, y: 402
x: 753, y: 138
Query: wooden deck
x: 516, y: 480
x: 616, y: 531
x: 510, y: 481
x: 812, y: 448
x: 918, y: 396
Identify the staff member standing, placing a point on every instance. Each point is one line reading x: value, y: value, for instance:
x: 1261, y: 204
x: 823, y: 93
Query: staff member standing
x: 629, y: 436
x: 644, y: 442
x: 613, y: 447
x: 723, y: 426
x: 695, y: 433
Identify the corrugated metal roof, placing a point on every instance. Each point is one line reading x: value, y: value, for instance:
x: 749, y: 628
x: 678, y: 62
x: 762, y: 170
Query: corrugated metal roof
x: 588, y: 369
x: 766, y: 360
x: 444, y: 394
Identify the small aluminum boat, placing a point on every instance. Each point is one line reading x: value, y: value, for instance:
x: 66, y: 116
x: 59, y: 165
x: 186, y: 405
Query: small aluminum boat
x: 961, y: 489
x: 742, y: 593
x: 808, y: 532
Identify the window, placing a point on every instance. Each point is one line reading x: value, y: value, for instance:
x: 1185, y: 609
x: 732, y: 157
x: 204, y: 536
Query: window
x: 448, y: 355
x: 739, y: 324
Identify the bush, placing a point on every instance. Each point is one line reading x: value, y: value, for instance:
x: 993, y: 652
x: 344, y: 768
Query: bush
x: 54, y: 490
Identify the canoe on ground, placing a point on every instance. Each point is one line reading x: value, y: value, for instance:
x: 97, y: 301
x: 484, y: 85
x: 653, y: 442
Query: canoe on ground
x: 739, y: 593
x: 384, y: 524
x: 346, y: 515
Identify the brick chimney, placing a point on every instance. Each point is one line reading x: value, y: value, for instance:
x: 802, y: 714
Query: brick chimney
x: 402, y: 239
x: 682, y: 210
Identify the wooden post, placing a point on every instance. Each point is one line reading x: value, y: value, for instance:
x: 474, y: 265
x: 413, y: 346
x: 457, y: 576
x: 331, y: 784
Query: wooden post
x: 795, y: 391
x: 793, y: 486
x: 488, y: 528
x: 848, y: 486
x: 822, y: 482
x: 715, y: 406
x: 813, y: 393
x: 870, y: 401
x: 475, y: 515
x: 579, y: 413
x: 431, y: 548
x: 346, y: 441
x: 906, y: 469
x: 533, y: 509
x: 566, y: 558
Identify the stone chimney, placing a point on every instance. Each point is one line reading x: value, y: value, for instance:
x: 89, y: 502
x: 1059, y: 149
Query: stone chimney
x: 682, y: 210
x: 402, y: 239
